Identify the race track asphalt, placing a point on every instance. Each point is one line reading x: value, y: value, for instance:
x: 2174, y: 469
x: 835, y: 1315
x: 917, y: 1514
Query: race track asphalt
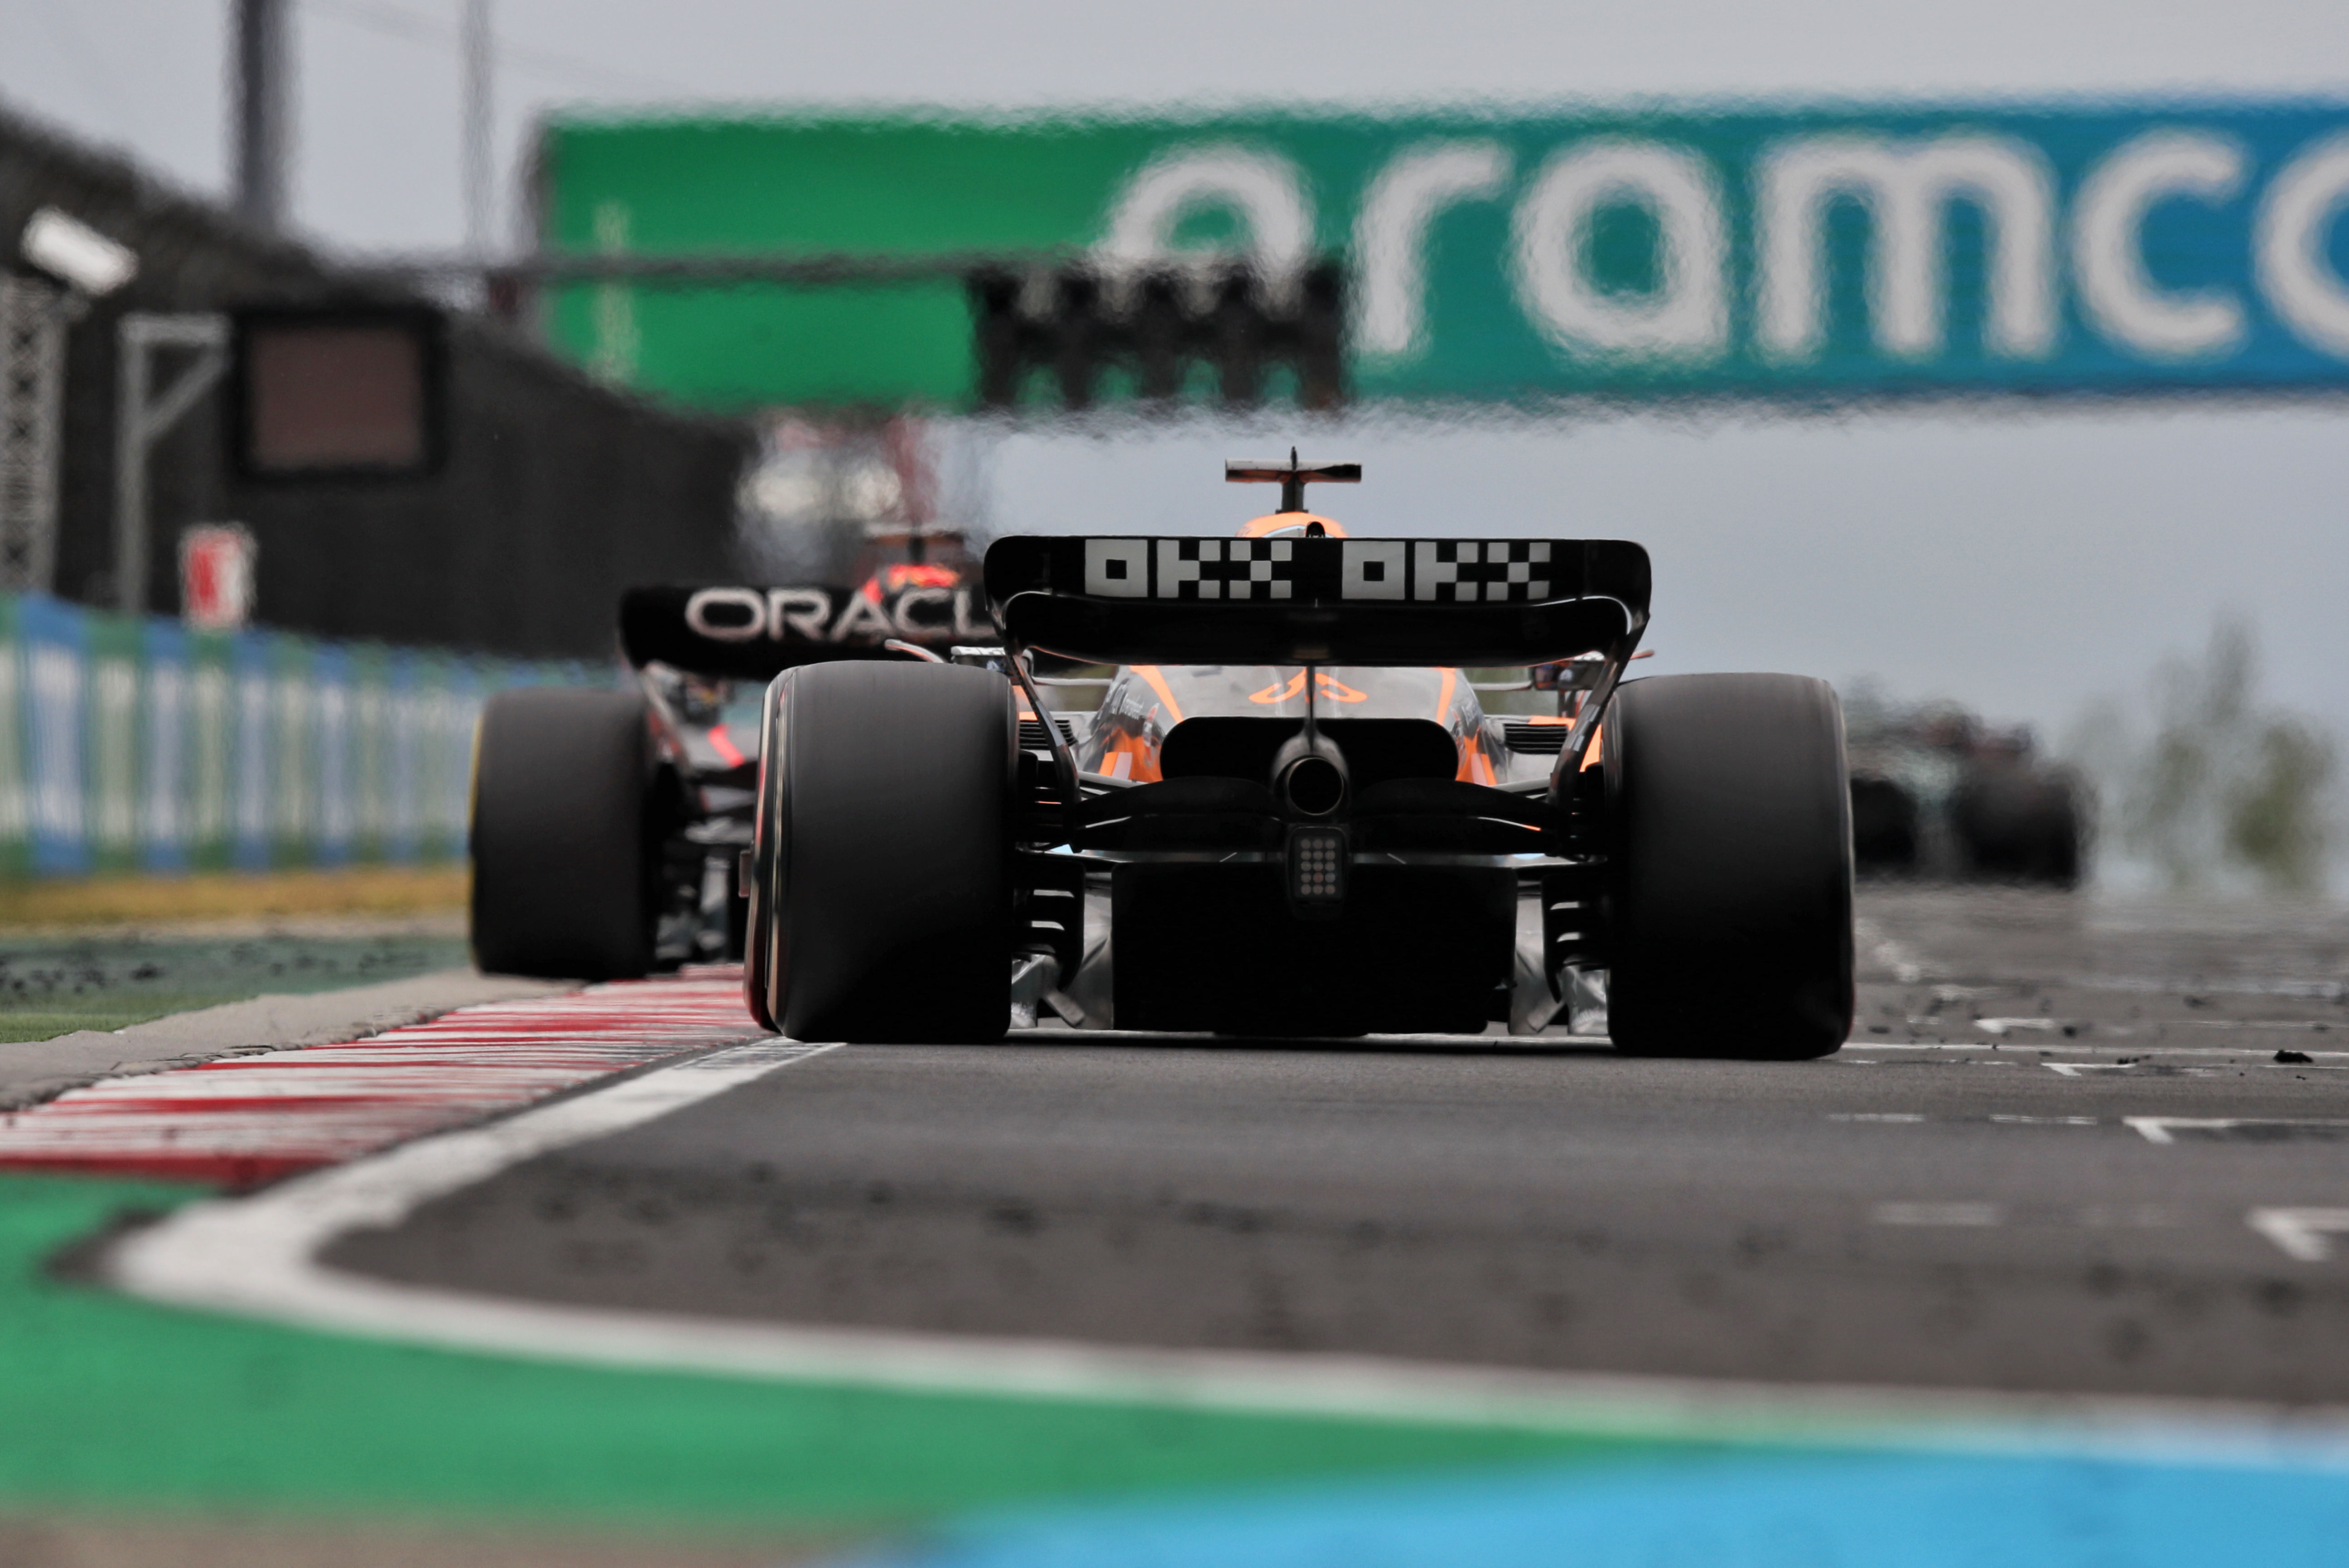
x: 1959, y: 1199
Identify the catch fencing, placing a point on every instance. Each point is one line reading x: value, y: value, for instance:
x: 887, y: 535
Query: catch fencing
x: 139, y: 745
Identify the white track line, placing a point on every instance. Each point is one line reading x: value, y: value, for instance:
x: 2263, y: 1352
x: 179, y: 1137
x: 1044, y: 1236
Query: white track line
x: 2069, y: 1047
x: 258, y: 1257
x: 2306, y: 1234
x: 2162, y: 1129
x: 1938, y: 1214
x: 256, y: 1254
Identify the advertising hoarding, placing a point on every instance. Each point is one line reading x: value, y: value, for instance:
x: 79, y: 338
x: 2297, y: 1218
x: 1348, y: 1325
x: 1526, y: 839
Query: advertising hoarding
x: 1832, y: 251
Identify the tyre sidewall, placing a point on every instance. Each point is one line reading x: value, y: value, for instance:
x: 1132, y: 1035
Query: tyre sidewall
x: 759, y: 938
x: 892, y: 874
x: 1731, y: 901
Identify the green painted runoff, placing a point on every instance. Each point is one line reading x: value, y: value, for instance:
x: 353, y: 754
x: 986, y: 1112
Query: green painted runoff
x: 115, y: 1404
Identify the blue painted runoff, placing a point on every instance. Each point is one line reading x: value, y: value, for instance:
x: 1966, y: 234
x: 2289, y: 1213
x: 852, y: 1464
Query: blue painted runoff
x: 1735, y: 1510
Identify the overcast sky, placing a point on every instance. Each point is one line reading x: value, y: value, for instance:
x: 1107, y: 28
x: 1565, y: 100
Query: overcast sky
x: 2022, y: 560
x: 379, y: 114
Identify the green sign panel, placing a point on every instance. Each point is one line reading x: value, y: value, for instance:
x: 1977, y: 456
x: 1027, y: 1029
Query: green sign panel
x: 1795, y: 253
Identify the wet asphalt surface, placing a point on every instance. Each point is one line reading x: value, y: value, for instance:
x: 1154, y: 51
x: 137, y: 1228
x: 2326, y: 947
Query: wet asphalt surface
x: 2050, y: 1160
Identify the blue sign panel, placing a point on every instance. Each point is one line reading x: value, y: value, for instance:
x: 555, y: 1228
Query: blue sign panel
x: 1860, y: 253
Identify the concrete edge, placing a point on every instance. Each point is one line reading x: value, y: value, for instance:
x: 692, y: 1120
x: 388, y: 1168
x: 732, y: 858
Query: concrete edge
x: 36, y: 1070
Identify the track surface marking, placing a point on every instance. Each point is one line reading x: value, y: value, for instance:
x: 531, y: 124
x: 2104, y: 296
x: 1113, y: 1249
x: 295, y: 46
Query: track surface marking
x: 1930, y: 1208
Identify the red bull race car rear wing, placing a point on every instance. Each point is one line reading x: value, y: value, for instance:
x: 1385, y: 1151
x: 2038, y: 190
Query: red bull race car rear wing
x: 743, y: 633
x: 1320, y: 600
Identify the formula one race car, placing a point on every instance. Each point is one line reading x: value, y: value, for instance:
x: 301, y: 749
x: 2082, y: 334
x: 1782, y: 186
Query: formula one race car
x: 608, y: 827
x: 1938, y: 794
x: 1288, y: 816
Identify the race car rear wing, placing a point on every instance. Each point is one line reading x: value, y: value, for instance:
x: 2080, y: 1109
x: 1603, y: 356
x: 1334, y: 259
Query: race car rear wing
x: 1475, y: 602
x: 740, y: 633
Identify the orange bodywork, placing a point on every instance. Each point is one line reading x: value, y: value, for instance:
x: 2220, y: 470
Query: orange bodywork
x: 1281, y: 521
x: 1598, y: 733
x: 1327, y: 687
x: 902, y: 574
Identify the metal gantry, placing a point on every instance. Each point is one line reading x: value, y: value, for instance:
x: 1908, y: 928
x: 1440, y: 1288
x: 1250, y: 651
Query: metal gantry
x: 33, y: 316
x: 143, y: 414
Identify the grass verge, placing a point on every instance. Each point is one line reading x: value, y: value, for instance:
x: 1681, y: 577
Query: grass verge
x: 216, y: 896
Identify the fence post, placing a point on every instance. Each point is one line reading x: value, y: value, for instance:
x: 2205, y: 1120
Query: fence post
x: 164, y: 817
x: 114, y: 647
x: 251, y: 818
x: 294, y: 814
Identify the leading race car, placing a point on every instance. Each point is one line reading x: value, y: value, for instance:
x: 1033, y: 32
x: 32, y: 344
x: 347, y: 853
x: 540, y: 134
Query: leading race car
x: 1289, y: 815
x: 608, y: 827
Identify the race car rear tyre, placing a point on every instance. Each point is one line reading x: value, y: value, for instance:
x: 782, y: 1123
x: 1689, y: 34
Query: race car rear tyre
x: 885, y: 853
x: 2018, y: 827
x: 563, y: 871
x: 1884, y: 828
x: 1730, y: 825
x: 758, y: 944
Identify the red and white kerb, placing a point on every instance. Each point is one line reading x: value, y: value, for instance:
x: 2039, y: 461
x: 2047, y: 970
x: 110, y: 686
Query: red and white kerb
x: 241, y: 1120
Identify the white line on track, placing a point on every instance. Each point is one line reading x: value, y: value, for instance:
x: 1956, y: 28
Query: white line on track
x: 2306, y: 1234
x: 1912, y: 1118
x: 259, y: 1257
x: 2311, y: 990
x: 1906, y: 967
x: 2073, y: 1069
x: 2163, y: 1129
x: 1958, y: 1214
x: 2074, y: 1048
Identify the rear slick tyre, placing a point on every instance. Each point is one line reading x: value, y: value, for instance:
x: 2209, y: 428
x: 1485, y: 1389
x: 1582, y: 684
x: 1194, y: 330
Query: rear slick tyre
x: 1730, y: 910
x: 2018, y: 827
x: 884, y: 853
x: 563, y: 873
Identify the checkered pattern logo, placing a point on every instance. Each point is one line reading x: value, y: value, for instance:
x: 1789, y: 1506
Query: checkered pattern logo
x: 1480, y: 571
x: 1309, y: 571
x: 1224, y: 569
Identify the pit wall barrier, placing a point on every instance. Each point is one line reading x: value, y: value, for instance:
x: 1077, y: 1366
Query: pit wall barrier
x: 138, y: 745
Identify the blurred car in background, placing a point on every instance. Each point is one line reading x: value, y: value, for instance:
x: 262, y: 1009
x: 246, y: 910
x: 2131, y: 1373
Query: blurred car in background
x: 1937, y: 792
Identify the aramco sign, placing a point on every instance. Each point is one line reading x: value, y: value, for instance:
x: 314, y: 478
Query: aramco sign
x: 1792, y: 253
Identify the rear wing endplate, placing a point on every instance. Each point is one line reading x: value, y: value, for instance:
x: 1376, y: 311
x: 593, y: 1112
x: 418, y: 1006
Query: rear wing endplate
x: 1306, y: 600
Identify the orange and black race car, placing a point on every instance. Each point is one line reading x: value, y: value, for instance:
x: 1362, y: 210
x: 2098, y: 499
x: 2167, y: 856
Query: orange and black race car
x: 1290, y: 813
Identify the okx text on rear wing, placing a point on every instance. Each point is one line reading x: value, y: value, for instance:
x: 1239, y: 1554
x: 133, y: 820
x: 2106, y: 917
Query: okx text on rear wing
x: 1134, y: 600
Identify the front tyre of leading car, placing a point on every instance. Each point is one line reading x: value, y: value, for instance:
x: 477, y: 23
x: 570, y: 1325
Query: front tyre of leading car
x: 882, y: 868
x: 1730, y: 902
